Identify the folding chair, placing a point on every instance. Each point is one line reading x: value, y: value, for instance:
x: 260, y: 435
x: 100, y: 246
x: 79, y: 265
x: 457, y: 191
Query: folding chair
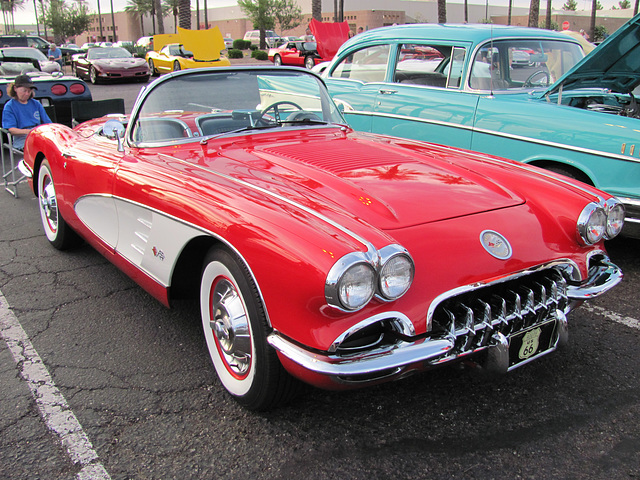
x: 11, y: 175
x: 83, y: 111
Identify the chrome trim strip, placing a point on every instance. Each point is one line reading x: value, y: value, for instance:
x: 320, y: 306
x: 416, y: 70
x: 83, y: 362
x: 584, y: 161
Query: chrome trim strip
x: 405, y: 327
x: 195, y: 227
x: 500, y: 134
x: 368, y: 245
x: 24, y: 169
x: 370, y: 362
x: 603, y: 278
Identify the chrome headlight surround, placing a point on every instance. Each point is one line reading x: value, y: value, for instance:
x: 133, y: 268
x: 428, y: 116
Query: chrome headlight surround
x: 354, y: 279
x: 592, y: 224
x: 615, y: 217
x: 395, y: 273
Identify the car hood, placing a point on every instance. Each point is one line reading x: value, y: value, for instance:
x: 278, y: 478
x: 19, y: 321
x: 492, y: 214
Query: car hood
x: 614, y: 64
x: 329, y: 37
x: 119, y: 62
x: 382, y: 183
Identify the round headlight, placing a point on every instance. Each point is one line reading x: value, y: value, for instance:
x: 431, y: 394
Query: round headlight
x: 356, y: 286
x: 396, y: 276
x: 615, y: 217
x: 592, y: 224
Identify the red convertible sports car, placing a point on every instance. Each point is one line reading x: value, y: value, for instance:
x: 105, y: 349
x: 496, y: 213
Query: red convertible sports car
x: 318, y: 253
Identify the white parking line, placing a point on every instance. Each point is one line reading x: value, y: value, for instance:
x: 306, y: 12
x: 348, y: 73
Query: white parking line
x: 53, y: 407
x: 628, y: 321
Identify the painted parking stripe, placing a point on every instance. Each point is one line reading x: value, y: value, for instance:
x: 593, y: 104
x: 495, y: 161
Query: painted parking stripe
x: 628, y: 321
x: 54, y: 409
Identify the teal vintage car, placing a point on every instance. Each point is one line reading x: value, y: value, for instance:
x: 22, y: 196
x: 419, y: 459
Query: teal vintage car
x: 525, y: 94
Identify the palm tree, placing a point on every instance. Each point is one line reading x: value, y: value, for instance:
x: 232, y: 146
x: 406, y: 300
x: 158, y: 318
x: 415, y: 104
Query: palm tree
x: 316, y: 9
x: 140, y: 8
x: 185, y: 14
x: 173, y: 6
x: 547, y: 24
x: 113, y: 24
x: 594, y: 8
x: 442, y: 11
x: 534, y: 12
x: 159, y: 15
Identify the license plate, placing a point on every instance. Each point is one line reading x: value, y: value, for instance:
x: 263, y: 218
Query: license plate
x: 531, y: 342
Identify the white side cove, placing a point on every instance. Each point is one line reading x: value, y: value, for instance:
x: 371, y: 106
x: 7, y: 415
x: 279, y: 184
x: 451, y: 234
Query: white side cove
x: 147, y: 238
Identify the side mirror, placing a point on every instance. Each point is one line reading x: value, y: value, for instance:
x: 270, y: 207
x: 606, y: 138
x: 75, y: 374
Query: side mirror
x: 114, y: 130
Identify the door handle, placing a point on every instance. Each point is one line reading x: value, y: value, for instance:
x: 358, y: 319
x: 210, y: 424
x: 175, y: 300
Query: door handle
x: 384, y: 91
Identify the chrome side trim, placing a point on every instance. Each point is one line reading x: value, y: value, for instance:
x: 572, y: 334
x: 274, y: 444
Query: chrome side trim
x: 368, y: 245
x: 24, y: 169
x: 495, y: 133
x: 367, y: 363
x: 400, y: 321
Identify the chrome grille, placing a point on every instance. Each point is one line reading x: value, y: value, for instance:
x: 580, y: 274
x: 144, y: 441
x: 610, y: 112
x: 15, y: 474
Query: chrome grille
x: 472, y: 318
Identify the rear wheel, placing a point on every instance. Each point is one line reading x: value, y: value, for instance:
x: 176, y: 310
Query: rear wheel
x: 235, y: 329
x: 59, y: 234
x: 309, y: 62
x: 176, y: 66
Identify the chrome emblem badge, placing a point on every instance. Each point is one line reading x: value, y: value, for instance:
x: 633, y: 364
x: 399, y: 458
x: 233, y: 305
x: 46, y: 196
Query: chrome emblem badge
x: 495, y: 244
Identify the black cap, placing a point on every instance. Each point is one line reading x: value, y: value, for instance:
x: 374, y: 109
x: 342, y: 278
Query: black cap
x: 24, y: 81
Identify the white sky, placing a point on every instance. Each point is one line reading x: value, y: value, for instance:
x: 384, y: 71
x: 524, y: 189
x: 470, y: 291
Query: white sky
x: 26, y: 15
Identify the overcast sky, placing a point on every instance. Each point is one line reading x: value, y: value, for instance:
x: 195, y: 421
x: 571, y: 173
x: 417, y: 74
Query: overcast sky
x: 26, y: 16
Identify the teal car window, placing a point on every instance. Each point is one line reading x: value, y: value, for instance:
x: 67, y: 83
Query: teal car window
x: 422, y: 64
x: 519, y: 64
x: 457, y: 64
x: 366, y: 65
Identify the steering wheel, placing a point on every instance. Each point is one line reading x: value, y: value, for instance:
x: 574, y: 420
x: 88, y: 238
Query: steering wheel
x: 529, y: 81
x: 276, y: 111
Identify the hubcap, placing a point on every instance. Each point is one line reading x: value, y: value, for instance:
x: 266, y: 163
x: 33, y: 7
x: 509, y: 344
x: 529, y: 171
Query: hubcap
x: 49, y: 205
x: 230, y: 326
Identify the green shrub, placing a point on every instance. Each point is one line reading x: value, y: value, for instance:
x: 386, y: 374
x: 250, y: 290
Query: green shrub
x: 253, y: 47
x: 259, y: 55
x: 137, y: 50
x: 235, y: 53
x: 240, y: 44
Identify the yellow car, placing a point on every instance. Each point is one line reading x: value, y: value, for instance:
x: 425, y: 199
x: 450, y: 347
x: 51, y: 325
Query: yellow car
x: 174, y: 56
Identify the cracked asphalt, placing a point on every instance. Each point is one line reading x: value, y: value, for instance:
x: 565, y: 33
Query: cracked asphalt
x: 137, y: 377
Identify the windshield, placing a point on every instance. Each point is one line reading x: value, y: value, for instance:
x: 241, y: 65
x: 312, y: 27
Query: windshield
x: 108, y: 52
x: 197, y: 104
x: 24, y: 52
x: 520, y: 64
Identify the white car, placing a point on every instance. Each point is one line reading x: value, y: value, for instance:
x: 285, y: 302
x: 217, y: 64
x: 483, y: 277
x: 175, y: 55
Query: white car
x: 270, y: 36
x: 46, y: 65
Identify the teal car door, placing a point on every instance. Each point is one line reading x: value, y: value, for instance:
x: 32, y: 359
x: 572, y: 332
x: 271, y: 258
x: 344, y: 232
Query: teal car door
x: 423, y: 98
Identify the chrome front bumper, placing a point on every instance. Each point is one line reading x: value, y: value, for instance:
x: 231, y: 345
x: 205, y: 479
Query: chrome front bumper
x: 425, y: 352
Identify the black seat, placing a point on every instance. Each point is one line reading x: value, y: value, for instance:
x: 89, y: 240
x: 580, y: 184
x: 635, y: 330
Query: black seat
x: 87, y: 110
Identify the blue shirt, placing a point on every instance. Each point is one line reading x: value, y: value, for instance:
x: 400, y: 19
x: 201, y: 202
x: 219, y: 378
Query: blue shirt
x: 18, y: 115
x: 56, y: 54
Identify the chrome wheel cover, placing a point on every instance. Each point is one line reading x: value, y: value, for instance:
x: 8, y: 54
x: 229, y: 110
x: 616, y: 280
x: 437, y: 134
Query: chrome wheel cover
x: 48, y: 206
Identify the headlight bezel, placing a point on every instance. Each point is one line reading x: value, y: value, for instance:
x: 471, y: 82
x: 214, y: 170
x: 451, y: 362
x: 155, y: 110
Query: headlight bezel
x: 593, y: 216
x: 614, y: 208
x: 373, y: 260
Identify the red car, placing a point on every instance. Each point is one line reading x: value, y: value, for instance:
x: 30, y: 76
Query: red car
x: 297, y: 53
x: 102, y: 64
x: 315, y: 252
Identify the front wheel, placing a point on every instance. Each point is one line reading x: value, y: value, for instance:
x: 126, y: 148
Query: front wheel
x: 93, y: 75
x: 277, y: 60
x: 176, y: 66
x: 235, y: 329
x: 152, y: 68
x: 59, y: 234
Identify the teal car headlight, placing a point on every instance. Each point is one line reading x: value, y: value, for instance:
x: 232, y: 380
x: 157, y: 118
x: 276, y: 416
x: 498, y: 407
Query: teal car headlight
x: 615, y: 217
x: 592, y: 224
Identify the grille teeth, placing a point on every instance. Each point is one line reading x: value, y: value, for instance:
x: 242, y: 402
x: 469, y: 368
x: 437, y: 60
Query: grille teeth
x: 471, y: 319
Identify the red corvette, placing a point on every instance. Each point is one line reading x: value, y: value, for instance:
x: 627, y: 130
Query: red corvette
x: 318, y: 253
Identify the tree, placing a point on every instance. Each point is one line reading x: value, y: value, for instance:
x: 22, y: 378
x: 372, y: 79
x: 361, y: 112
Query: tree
x: 287, y: 13
x: 570, y: 5
x: 173, y: 6
x: 547, y: 23
x: 9, y: 7
x: 160, y: 13
x: 534, y: 12
x: 66, y: 20
x: 139, y: 8
x: 260, y: 12
x: 185, y: 14
x: 442, y: 11
x: 594, y: 8
x: 316, y: 9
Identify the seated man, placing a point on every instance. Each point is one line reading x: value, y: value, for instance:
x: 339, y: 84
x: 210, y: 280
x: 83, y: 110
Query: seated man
x: 22, y: 112
x: 55, y: 54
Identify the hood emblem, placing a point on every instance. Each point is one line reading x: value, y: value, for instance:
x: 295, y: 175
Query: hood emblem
x: 495, y: 244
